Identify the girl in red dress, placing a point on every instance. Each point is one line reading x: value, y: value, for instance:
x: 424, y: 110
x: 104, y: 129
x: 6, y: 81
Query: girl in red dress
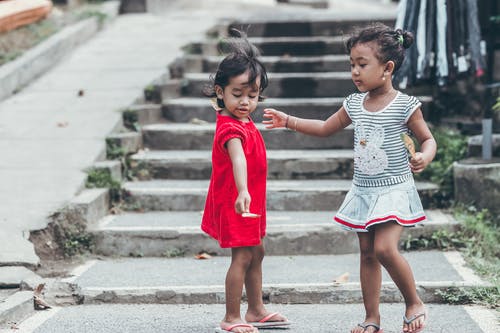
x: 238, y: 185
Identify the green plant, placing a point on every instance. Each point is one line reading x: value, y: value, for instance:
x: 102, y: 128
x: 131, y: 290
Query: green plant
x: 174, y: 252
x: 441, y: 239
x: 487, y: 296
x: 451, y: 147
x: 114, y: 150
x: 131, y: 119
x: 102, y: 178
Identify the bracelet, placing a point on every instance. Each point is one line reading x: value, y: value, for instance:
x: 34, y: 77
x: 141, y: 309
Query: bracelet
x: 286, y: 122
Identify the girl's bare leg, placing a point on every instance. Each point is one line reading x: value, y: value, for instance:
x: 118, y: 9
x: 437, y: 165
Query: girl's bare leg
x: 241, y: 258
x: 387, y: 237
x: 371, y: 279
x: 253, y: 287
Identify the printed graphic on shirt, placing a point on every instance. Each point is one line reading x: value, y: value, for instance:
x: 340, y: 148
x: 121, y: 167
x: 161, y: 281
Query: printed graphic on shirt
x: 369, y: 157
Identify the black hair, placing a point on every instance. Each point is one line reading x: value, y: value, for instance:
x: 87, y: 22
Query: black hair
x: 242, y: 57
x: 391, y: 43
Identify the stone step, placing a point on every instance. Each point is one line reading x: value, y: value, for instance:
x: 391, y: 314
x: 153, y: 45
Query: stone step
x: 307, y: 26
x: 273, y: 64
x: 290, y: 85
x: 475, y: 145
x: 186, y: 109
x: 286, y: 279
x: 285, y: 85
x: 282, y: 164
x: 282, y: 195
x: 200, y: 137
x: 305, y: 318
x: 163, y: 234
x: 278, y: 46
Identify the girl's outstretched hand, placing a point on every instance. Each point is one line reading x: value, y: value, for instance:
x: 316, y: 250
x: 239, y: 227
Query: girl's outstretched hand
x: 276, y: 119
x: 418, y: 163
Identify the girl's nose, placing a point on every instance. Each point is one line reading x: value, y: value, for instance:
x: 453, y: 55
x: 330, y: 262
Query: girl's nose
x: 244, y: 101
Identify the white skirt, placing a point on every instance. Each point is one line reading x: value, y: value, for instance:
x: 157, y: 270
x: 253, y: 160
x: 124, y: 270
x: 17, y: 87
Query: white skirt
x: 367, y: 206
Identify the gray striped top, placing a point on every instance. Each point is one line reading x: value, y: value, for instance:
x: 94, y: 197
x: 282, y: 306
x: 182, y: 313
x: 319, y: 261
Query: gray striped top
x: 380, y: 157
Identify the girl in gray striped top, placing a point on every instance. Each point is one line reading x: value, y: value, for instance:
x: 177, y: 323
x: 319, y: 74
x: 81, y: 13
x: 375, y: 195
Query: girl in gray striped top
x: 383, y: 198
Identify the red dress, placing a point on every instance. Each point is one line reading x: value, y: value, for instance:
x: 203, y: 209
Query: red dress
x: 220, y: 220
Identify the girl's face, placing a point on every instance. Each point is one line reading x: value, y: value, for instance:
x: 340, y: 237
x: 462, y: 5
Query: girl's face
x: 367, y: 72
x: 240, y: 97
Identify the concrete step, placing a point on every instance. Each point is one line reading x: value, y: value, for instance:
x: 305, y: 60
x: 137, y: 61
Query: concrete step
x: 277, y: 46
x: 286, y: 279
x: 200, y: 137
x: 286, y: 85
x: 304, y: 26
x: 282, y: 195
x: 306, y: 318
x: 475, y: 145
x: 273, y: 64
x: 291, y: 85
x: 163, y: 234
x: 282, y: 164
x: 186, y: 109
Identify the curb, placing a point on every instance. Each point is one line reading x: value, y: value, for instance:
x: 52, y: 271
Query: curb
x: 276, y: 294
x: 36, y: 61
x: 16, y: 308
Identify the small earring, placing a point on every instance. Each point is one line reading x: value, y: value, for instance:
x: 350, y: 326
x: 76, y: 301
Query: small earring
x: 383, y: 78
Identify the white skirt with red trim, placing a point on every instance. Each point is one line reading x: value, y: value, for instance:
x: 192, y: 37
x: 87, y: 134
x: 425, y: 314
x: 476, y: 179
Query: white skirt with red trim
x: 364, y: 207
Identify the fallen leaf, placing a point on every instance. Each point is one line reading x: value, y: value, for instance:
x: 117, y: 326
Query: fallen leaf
x: 202, y: 256
x: 62, y: 124
x: 342, y: 278
x: 81, y: 92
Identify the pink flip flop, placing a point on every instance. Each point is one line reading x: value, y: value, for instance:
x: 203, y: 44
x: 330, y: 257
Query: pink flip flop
x: 229, y: 329
x: 265, y: 323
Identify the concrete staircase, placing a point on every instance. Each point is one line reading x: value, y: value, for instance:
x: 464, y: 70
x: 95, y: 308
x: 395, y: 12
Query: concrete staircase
x: 147, y: 253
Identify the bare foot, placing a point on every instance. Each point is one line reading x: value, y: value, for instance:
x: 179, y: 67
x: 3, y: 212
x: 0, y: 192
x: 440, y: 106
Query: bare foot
x: 415, y: 318
x: 238, y: 327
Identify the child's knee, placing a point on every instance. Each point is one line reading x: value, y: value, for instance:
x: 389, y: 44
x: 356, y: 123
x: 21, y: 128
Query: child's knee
x: 385, y: 253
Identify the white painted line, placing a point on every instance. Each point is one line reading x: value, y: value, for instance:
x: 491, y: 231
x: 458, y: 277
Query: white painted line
x: 32, y: 323
x: 457, y: 261
x: 485, y: 318
x: 78, y: 271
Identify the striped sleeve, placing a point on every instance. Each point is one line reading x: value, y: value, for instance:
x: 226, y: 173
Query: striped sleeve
x: 412, y: 105
x: 347, y: 105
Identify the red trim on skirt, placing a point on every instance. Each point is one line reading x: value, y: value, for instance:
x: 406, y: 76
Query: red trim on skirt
x: 378, y: 220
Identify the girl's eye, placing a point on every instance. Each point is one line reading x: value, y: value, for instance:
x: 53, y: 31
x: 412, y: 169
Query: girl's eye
x: 252, y: 96
x: 237, y: 96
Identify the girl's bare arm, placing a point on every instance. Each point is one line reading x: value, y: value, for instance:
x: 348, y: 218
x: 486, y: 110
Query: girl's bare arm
x: 239, y: 161
x: 428, y: 145
x: 323, y: 128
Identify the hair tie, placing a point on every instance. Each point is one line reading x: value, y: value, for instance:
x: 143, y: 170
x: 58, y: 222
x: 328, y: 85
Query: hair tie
x: 401, y: 39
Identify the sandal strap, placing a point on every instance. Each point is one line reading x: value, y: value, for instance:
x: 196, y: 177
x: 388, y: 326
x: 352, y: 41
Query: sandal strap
x: 366, y: 325
x: 269, y: 316
x: 230, y: 328
x: 412, y: 318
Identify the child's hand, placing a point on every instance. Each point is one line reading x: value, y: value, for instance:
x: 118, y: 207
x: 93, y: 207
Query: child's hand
x: 418, y: 163
x: 242, y: 203
x: 277, y: 118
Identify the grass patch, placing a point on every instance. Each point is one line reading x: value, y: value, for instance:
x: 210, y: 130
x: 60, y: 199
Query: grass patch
x: 16, y: 42
x: 478, y: 240
x: 101, y: 178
